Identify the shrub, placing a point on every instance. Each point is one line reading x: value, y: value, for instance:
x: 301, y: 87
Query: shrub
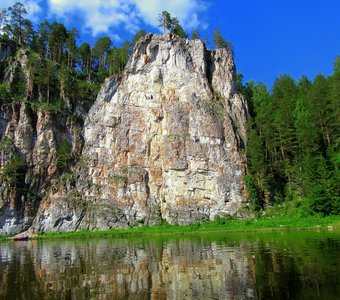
x: 64, y: 155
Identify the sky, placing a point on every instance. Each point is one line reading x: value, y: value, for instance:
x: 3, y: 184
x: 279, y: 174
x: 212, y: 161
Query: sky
x: 270, y: 37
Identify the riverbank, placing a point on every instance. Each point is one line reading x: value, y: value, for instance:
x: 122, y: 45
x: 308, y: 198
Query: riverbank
x: 219, y: 225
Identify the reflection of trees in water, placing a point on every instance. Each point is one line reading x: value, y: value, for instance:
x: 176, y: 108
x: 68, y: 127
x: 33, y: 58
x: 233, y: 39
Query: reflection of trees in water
x: 17, y: 266
x: 171, y: 269
x: 297, y: 269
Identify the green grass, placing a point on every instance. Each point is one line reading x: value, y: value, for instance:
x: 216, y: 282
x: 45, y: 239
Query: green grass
x: 219, y: 225
x: 228, y: 224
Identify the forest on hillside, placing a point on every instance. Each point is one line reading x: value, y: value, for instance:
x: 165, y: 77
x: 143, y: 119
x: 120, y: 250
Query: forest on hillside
x: 293, y: 143
x: 293, y: 135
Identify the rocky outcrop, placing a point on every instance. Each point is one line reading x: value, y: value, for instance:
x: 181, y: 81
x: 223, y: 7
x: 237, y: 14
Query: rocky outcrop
x: 33, y: 137
x: 165, y: 142
x: 29, y: 141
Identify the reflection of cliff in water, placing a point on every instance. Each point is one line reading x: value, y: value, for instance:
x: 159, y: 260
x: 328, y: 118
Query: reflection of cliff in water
x: 176, y: 269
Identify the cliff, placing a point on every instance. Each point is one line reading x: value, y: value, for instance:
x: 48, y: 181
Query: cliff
x: 165, y: 142
x: 30, y: 137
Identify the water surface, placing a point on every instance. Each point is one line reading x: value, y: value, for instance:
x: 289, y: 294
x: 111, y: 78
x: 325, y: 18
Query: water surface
x: 288, y: 265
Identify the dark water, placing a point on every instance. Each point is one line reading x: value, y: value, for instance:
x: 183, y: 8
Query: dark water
x: 303, y: 265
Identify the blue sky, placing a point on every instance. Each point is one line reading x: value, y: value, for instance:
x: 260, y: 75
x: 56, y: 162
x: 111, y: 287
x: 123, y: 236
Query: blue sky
x: 270, y: 37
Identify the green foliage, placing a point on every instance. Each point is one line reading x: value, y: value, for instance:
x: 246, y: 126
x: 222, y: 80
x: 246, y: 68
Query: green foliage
x: 64, y: 155
x: 118, y: 58
x: 165, y: 20
x: 137, y: 36
x: 337, y: 64
x: 86, y: 91
x: 220, y: 42
x: 222, y: 224
x: 18, y: 22
x: 171, y: 23
x: 100, y: 51
x: 293, y: 143
x: 3, y: 17
x: 196, y: 34
x: 84, y: 58
x: 177, y: 29
x: 4, y: 93
x: 12, y: 166
x: 56, y: 106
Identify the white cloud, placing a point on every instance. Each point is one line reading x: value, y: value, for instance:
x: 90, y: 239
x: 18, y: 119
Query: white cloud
x: 6, y: 3
x: 33, y: 10
x: 185, y: 10
x: 32, y: 6
x: 100, y: 15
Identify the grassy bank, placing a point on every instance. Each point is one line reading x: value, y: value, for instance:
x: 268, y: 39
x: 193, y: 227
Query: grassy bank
x: 233, y: 225
x: 223, y: 225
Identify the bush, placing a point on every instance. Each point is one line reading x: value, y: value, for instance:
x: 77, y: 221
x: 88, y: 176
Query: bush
x: 4, y: 93
x: 325, y: 199
x: 64, y: 155
x: 12, y: 170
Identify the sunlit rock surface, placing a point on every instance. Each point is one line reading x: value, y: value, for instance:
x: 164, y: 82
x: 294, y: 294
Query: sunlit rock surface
x: 162, y: 143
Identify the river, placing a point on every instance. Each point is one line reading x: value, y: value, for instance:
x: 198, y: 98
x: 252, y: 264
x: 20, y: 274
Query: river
x: 276, y: 265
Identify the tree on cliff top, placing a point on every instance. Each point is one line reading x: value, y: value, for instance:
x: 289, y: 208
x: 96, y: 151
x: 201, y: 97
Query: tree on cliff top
x: 177, y: 29
x: 171, y: 23
x: 3, y: 17
x: 220, y: 42
x: 165, y: 20
x: 195, y: 34
x: 18, y: 13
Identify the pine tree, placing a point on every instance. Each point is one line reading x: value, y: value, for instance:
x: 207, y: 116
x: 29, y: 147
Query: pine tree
x: 17, y: 22
x: 56, y: 41
x: 220, y: 42
x: 100, y: 51
x: 71, y: 46
x: 176, y: 28
x: 195, y: 34
x: 165, y: 21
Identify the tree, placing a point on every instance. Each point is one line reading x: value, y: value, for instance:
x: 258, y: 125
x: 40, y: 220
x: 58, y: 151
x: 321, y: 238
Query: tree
x: 118, y: 58
x: 45, y: 78
x: 4, y: 93
x: 165, y: 20
x: 64, y: 155
x: 33, y: 68
x: 137, y: 36
x: 100, y: 50
x: 285, y: 94
x: 28, y: 34
x: 56, y: 41
x: 337, y: 64
x: 85, y: 58
x: 220, y: 42
x: 176, y: 28
x: 42, y: 37
x: 321, y: 108
x: 195, y: 34
x: 12, y: 167
x: 3, y: 18
x: 71, y: 46
x: 17, y: 22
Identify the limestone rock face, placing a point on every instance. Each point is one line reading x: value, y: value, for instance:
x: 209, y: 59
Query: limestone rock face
x: 163, y: 143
